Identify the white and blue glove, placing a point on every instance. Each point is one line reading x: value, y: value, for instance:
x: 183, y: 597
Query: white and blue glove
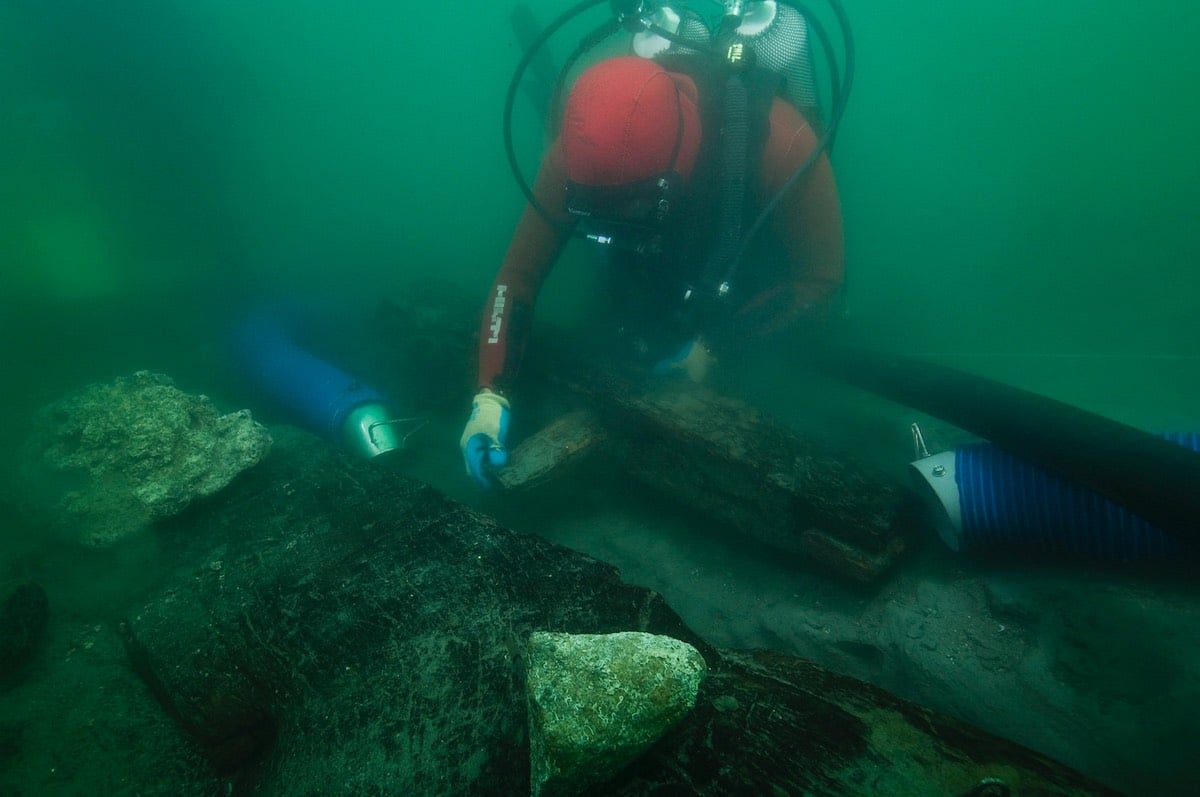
x: 482, y: 441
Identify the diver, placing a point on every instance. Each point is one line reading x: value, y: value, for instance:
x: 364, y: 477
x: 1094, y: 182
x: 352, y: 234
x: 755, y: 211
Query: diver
x: 665, y: 159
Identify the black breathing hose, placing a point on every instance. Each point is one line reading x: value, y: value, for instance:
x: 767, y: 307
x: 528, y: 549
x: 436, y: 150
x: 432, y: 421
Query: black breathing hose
x: 515, y: 84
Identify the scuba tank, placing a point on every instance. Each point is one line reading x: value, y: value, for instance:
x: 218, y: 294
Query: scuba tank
x: 776, y: 33
x: 779, y: 37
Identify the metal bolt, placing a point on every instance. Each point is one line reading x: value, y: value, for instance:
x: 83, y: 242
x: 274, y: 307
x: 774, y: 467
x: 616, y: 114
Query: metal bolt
x: 939, y: 470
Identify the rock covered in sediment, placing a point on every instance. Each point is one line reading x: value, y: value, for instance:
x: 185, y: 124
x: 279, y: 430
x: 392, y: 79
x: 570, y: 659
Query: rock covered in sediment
x: 111, y: 458
x: 598, y: 701
x: 333, y: 627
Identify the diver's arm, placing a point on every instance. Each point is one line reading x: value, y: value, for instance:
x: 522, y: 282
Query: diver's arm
x: 808, y: 222
x: 508, y: 312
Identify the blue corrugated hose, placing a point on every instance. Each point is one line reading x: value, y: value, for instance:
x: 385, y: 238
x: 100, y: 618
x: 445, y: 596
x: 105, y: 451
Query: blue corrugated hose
x: 314, y: 394
x: 1008, y: 501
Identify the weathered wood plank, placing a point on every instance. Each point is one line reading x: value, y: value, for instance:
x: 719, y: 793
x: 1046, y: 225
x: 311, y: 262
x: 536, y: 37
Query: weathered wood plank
x: 710, y: 453
x: 550, y: 453
x: 721, y: 457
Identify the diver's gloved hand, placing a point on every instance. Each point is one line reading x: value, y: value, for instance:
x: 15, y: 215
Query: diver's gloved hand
x: 693, y: 360
x: 482, y: 441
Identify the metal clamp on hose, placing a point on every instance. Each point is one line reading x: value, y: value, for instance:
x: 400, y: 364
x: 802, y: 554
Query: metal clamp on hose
x: 369, y: 431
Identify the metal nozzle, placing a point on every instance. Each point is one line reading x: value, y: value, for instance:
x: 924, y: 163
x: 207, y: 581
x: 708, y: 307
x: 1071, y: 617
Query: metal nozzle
x: 370, y: 430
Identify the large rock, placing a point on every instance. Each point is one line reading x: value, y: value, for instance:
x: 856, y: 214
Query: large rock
x: 598, y: 701
x: 105, y: 462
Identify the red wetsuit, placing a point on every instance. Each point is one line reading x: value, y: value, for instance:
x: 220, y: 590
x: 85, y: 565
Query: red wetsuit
x: 808, y: 223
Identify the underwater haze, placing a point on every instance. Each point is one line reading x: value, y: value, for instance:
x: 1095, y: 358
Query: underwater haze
x: 163, y: 161
x: 1021, y: 191
x: 1019, y: 182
